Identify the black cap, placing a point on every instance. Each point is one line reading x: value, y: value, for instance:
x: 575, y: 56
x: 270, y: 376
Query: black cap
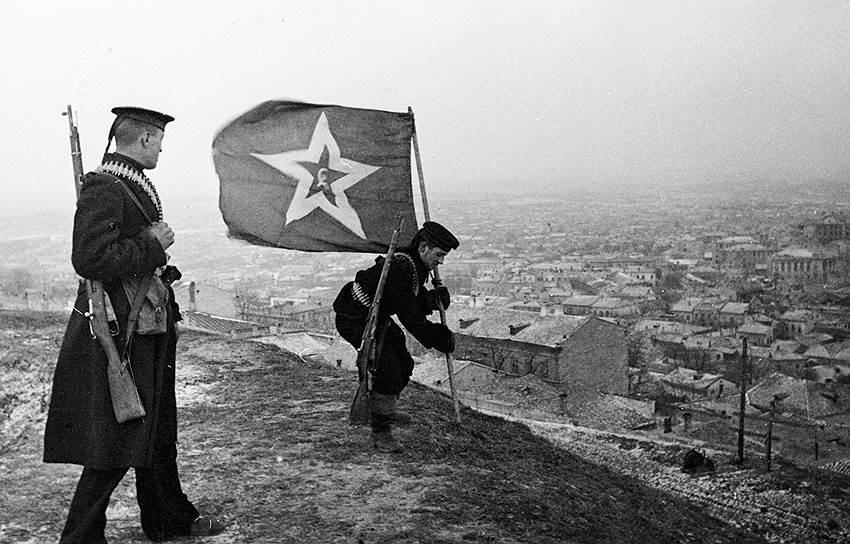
x: 155, y: 118
x: 439, y: 235
x: 151, y: 117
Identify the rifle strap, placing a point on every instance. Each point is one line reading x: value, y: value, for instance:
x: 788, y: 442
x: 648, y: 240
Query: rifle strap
x: 134, y: 198
x: 139, y: 298
x: 135, y: 308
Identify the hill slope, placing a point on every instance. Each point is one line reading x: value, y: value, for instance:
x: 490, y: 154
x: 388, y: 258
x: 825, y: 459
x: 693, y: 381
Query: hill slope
x: 265, y: 443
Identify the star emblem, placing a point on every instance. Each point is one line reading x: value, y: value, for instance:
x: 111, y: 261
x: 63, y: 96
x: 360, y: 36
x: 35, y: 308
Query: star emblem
x: 323, y: 177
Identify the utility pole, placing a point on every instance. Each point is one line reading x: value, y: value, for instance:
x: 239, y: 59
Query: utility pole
x: 743, y: 403
x: 770, y: 432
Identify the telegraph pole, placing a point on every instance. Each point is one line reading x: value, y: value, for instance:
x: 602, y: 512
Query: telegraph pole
x: 743, y: 403
x: 770, y: 432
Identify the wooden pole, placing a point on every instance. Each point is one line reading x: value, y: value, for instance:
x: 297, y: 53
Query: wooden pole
x: 436, y: 281
x: 743, y: 402
x: 769, y: 444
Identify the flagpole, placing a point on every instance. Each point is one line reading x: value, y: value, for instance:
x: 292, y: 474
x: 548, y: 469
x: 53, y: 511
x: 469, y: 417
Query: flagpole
x: 436, y: 281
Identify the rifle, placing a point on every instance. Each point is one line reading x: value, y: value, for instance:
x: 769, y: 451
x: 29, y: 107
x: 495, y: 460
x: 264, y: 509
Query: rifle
x: 367, y: 354
x: 122, y: 387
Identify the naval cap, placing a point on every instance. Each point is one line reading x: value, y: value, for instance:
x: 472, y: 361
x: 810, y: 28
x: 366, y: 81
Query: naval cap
x: 151, y: 117
x: 439, y: 235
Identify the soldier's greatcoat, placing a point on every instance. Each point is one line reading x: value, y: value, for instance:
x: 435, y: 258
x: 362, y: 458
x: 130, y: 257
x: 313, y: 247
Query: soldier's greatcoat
x: 110, y: 241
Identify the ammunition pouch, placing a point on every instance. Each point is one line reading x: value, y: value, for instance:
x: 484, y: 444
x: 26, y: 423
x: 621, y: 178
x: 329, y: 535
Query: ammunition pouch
x: 153, y: 313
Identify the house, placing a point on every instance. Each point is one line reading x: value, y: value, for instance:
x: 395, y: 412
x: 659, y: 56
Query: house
x: 654, y: 327
x: 212, y: 324
x: 732, y: 314
x: 291, y: 314
x: 470, y: 375
x: 640, y: 292
x: 756, y: 333
x: 570, y: 352
x: 204, y: 297
x: 828, y: 373
x: 580, y: 304
x: 797, y: 322
x: 613, y: 307
x: 800, y: 398
x: 695, y: 385
x: 706, y: 313
x: 832, y: 227
x: 528, y: 306
x: 683, y: 310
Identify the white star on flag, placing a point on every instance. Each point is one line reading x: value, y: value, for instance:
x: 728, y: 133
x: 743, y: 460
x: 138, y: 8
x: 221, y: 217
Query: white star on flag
x: 289, y: 162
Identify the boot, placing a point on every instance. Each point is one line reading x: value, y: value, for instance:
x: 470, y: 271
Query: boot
x: 401, y: 419
x: 385, y: 442
x: 382, y: 408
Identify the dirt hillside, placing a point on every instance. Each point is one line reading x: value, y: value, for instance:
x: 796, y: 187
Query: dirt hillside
x: 265, y: 443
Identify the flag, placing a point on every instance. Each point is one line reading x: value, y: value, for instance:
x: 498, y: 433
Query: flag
x: 316, y: 178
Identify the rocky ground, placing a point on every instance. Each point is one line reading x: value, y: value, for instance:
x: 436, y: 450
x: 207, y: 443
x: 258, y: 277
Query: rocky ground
x: 265, y: 443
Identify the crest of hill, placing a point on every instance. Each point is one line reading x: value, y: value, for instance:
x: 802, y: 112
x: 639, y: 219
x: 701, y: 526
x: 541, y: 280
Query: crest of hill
x: 265, y: 442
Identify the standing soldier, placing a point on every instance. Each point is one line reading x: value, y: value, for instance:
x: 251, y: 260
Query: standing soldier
x: 114, y: 243
x: 406, y: 297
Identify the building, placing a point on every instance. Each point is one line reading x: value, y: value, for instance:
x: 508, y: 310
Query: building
x: 732, y: 314
x: 580, y: 304
x: 797, y: 322
x: 571, y: 352
x: 290, y: 314
x: 706, y: 313
x: 684, y: 382
x: 802, y: 266
x: 831, y: 228
x: 683, y: 310
x: 614, y: 307
x: 757, y: 334
x: 212, y: 324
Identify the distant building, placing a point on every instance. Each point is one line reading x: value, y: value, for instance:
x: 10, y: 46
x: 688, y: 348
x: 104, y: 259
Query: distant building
x: 212, y: 324
x: 757, y: 334
x: 801, y: 266
x: 706, y: 313
x: 797, y: 322
x: 308, y: 316
x: 580, y: 304
x: 574, y: 353
x: 831, y: 228
x: 697, y: 385
x: 741, y: 256
x: 614, y: 307
x: 732, y: 314
x: 683, y: 310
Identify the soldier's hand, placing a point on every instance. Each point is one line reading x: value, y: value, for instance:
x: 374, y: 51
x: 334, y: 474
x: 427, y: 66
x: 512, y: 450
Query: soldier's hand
x: 442, y: 294
x: 446, y: 339
x: 162, y: 232
x: 438, y: 298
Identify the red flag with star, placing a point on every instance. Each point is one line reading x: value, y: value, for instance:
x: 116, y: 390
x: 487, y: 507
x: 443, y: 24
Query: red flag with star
x: 316, y: 178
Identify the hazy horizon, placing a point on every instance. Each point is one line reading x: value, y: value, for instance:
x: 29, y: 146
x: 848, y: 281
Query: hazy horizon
x: 534, y: 98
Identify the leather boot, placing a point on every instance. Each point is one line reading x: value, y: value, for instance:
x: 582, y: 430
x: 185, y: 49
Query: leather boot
x: 382, y: 409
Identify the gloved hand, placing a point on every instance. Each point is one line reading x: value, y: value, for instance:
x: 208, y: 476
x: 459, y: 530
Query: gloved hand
x: 445, y: 340
x: 439, y: 294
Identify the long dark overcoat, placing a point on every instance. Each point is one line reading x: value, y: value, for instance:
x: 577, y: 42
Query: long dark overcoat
x: 111, y: 241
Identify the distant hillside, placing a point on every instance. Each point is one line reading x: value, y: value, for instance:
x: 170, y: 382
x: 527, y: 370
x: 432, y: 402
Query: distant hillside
x: 265, y: 443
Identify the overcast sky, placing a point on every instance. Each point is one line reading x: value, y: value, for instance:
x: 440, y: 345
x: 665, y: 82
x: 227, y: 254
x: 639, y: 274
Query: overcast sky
x: 519, y: 95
